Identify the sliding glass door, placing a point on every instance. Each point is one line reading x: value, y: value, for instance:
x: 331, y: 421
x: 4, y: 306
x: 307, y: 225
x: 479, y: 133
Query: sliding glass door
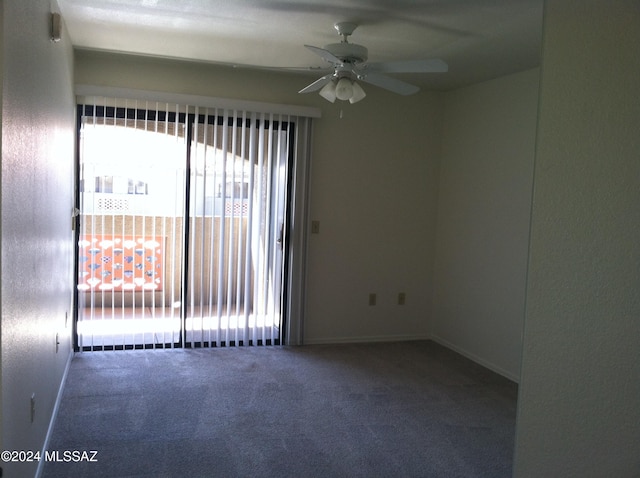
x: 131, y: 233
x: 237, y: 195
x: 183, y: 219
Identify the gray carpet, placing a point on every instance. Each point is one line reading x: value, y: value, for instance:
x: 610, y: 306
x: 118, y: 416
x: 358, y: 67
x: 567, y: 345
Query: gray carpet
x: 405, y: 409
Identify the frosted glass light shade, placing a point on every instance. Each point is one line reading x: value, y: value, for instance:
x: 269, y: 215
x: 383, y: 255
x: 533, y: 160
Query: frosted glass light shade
x: 344, y: 89
x: 358, y: 93
x: 328, y: 92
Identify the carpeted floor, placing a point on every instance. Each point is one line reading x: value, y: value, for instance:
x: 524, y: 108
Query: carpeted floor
x: 404, y: 409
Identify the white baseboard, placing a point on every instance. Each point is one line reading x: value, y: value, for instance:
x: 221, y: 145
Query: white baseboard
x: 479, y: 360
x: 363, y: 339
x: 54, y: 414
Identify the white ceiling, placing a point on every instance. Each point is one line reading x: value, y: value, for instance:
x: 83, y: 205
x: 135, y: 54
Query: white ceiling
x: 479, y: 39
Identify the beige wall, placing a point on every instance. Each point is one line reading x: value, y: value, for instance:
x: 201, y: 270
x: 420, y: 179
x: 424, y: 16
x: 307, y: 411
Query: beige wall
x: 373, y: 189
x: 579, y: 413
x: 38, y: 130
x: 484, y: 203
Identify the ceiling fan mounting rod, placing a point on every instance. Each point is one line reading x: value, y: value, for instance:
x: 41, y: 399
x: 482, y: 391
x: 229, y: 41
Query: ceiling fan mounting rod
x: 345, y: 29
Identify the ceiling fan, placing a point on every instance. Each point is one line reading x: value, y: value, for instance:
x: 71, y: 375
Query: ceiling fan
x: 349, y: 62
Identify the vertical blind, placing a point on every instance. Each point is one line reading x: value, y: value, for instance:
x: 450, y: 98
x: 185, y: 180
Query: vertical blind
x: 187, y: 224
x: 238, y: 186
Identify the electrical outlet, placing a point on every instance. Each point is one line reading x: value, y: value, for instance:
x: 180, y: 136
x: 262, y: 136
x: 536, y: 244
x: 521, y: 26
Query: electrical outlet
x: 33, y: 407
x: 372, y: 298
x: 57, y: 342
x: 402, y: 298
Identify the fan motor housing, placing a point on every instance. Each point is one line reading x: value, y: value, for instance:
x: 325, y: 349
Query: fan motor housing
x: 348, y: 52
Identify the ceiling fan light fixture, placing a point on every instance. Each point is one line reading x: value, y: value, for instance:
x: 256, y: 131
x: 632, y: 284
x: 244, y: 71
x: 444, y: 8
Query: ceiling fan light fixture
x: 358, y: 93
x: 328, y: 92
x: 344, y: 89
x: 349, y: 62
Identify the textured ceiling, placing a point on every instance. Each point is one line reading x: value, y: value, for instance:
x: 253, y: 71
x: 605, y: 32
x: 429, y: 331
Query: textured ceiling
x: 479, y: 39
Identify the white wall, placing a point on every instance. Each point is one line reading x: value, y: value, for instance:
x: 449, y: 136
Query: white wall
x: 579, y: 405
x: 484, y: 205
x: 37, y: 248
x: 373, y: 189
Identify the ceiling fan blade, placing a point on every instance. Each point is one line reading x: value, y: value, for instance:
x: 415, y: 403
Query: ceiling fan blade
x: 326, y: 54
x: 277, y: 68
x: 416, y: 66
x: 318, y: 84
x: 388, y: 83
